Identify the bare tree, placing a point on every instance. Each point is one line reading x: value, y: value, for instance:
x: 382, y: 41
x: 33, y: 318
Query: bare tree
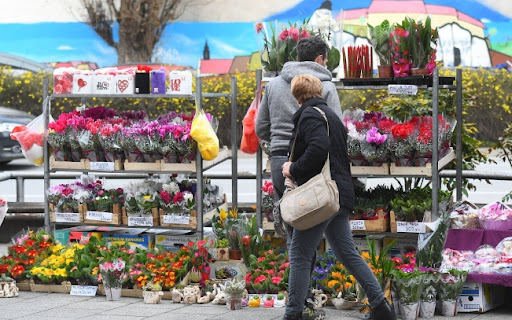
x: 140, y: 24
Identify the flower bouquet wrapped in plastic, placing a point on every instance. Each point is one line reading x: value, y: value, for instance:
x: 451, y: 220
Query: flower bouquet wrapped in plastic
x: 495, y: 216
x: 403, y: 143
x: 450, y: 287
x: 110, y: 140
x: 408, y: 283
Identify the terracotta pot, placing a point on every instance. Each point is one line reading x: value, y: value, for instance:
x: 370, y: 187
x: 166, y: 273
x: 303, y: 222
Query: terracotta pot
x: 235, y: 254
x: 420, y: 72
x: 385, y: 71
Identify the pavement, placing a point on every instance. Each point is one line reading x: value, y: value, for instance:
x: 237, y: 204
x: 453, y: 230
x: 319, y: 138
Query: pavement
x: 41, y: 306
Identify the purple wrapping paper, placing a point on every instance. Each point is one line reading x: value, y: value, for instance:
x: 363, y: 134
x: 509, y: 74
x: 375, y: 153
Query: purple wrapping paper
x: 157, y: 82
x: 471, y: 239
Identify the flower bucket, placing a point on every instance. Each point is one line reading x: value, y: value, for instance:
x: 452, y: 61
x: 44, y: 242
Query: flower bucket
x: 449, y: 308
x: 152, y: 297
x: 113, y: 294
x: 410, y: 311
x: 427, y: 309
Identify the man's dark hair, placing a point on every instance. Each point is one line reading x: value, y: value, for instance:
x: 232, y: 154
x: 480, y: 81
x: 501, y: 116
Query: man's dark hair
x: 310, y: 48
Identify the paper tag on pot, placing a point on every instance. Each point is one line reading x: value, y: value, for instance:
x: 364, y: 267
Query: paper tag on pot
x: 87, y: 291
x: 357, y: 225
x: 140, y: 221
x: 99, y: 216
x: 67, y: 217
x: 403, y: 89
x: 101, y: 166
x: 176, y: 219
x: 411, y: 227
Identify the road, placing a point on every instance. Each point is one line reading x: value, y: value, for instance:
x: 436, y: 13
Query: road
x: 34, y: 190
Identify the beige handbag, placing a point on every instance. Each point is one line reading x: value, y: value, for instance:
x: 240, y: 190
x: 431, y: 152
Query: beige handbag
x: 315, y: 201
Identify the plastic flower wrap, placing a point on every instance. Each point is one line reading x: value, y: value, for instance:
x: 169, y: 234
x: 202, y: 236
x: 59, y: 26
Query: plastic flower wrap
x: 464, y: 216
x: 63, y: 80
x: 174, y: 141
x: 451, y: 284
x: 403, y: 142
x: 268, y: 199
x: 495, y: 216
x: 142, y: 197
x: 110, y: 140
x: 456, y: 259
x: 89, y: 141
x: 409, y: 283
x: 112, y: 273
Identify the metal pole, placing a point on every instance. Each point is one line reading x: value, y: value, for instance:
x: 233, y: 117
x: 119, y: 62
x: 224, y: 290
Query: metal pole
x: 46, y: 116
x: 458, y: 147
x: 234, y: 144
x: 435, y: 144
x: 20, y: 189
x: 199, y: 167
x: 259, y: 167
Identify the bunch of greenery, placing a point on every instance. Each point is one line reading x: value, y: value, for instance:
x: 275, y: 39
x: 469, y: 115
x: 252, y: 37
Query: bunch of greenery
x: 381, y: 41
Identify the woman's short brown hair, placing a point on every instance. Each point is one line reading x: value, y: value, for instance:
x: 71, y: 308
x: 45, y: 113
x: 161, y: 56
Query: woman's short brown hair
x: 305, y: 87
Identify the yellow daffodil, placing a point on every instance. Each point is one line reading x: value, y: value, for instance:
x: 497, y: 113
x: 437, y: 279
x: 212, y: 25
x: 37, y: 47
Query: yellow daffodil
x: 223, y: 215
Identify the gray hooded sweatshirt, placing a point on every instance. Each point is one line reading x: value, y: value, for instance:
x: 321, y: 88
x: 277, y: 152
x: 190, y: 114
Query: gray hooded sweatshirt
x: 274, y: 122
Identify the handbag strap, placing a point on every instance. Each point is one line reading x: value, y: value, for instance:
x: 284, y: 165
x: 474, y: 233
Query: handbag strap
x: 294, y: 140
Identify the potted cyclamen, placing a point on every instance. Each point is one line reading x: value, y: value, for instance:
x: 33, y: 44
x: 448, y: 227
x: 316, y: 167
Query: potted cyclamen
x: 450, y: 286
x: 408, y: 282
x: 381, y: 42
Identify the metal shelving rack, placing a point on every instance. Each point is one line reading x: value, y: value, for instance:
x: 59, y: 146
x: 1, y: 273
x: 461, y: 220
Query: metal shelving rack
x: 199, y: 95
x: 434, y: 175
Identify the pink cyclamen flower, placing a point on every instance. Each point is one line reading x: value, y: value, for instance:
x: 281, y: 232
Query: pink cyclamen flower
x: 284, y: 35
x: 373, y: 136
x: 294, y: 34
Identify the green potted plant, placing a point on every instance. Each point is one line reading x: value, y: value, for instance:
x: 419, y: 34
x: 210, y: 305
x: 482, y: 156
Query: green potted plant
x: 450, y: 287
x: 222, y: 247
x: 381, y: 42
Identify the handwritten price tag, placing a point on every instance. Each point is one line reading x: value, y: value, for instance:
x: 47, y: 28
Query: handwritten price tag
x: 102, y: 166
x: 176, y: 219
x: 357, y: 225
x: 140, y: 221
x: 410, y: 227
x: 88, y: 291
x: 99, y: 216
x: 403, y: 89
x: 67, y: 217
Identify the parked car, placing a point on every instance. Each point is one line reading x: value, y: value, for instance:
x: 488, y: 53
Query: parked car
x: 10, y: 118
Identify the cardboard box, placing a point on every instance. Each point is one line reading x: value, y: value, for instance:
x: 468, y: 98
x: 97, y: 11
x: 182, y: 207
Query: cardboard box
x: 142, y: 241
x: 480, y: 297
x: 173, y: 243
x: 66, y: 237
x: 402, y: 245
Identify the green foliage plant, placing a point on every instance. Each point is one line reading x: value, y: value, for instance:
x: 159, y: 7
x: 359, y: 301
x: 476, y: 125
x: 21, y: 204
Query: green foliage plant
x: 381, y: 41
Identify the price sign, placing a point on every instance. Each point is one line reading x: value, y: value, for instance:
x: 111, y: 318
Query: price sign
x: 403, y: 89
x: 102, y: 166
x: 99, y: 216
x: 140, y: 221
x: 357, y: 225
x: 410, y: 227
x: 88, y: 291
x: 67, y: 217
x: 176, y: 219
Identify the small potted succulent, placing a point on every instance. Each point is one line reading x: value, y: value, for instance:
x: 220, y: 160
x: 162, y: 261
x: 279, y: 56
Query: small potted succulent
x: 255, y: 301
x: 269, y: 301
x: 280, y: 301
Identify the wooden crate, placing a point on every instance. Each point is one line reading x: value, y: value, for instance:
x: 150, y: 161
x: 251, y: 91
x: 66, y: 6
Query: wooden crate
x: 133, y: 293
x: 192, y: 224
x: 414, y: 226
x: 116, y: 217
x: 422, y: 171
x: 64, y: 287
x: 382, y: 170
x: 378, y: 225
x: 141, y: 166
x: 23, y: 285
x: 154, y: 213
x: 81, y: 209
x: 178, y: 167
x: 54, y: 164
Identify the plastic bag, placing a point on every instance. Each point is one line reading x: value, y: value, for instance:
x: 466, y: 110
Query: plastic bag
x: 3, y: 210
x: 495, y: 216
x: 464, y: 216
x: 31, y: 140
x: 250, y: 140
x: 202, y: 131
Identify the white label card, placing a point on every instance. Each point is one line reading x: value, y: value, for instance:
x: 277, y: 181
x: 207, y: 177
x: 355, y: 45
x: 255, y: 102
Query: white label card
x: 102, y: 166
x: 357, y: 225
x: 176, y: 219
x: 403, y: 89
x: 67, y: 217
x: 411, y: 227
x: 140, y: 221
x: 88, y: 291
x: 99, y: 216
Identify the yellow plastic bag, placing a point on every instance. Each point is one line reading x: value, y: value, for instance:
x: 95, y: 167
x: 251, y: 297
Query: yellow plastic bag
x: 203, y: 133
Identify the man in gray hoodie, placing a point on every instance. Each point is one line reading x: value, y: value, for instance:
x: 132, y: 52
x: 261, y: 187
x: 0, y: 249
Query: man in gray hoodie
x: 274, y: 122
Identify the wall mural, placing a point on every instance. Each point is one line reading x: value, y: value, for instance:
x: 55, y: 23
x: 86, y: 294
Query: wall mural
x: 473, y: 33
